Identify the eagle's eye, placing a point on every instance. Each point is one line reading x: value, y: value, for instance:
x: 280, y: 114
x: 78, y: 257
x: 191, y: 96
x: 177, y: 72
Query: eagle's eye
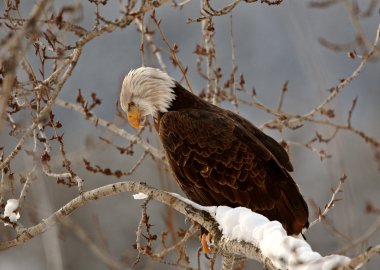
x: 130, y: 104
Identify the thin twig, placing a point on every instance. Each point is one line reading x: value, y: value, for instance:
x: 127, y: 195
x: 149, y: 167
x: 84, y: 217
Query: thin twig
x: 351, y: 111
x: 190, y: 232
x: 173, y: 52
x: 152, y: 45
x: 26, y: 186
x: 143, y: 221
x: 284, y: 89
x: 331, y: 203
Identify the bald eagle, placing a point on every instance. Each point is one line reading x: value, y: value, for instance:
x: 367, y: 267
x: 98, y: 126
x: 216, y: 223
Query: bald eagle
x: 217, y: 156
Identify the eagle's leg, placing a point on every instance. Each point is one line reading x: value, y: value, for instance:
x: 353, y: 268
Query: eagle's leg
x: 205, y: 240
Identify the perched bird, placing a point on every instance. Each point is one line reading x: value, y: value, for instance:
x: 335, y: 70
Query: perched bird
x: 217, y: 156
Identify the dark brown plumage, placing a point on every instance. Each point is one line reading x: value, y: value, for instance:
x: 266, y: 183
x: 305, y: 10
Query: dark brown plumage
x: 220, y: 158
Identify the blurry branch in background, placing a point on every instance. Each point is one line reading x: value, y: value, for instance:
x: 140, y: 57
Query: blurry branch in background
x: 208, y: 11
x: 101, y: 253
x: 12, y: 48
x: 44, y: 87
x: 232, y: 81
x: 355, y: 14
x: 374, y: 228
x: 293, y: 121
x: 29, y: 95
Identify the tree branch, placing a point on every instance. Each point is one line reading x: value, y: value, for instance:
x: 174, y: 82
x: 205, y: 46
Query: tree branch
x: 211, y: 218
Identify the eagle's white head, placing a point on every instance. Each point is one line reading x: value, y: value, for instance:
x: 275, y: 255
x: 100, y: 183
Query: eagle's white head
x: 146, y: 91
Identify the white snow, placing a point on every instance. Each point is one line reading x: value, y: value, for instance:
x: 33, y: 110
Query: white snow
x: 285, y: 252
x: 140, y: 196
x: 9, y: 210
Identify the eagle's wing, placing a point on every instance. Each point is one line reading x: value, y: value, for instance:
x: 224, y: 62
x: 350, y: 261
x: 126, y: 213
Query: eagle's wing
x: 217, y: 161
x: 272, y: 145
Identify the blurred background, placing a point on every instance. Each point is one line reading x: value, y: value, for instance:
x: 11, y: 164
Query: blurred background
x: 273, y: 44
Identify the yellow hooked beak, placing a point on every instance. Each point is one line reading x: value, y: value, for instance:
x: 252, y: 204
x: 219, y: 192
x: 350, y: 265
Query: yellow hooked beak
x: 134, y: 117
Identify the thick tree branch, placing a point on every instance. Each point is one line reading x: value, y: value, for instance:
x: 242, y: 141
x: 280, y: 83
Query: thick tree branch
x: 205, y: 216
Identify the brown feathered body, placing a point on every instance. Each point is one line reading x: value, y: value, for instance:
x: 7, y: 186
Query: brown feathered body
x: 220, y: 158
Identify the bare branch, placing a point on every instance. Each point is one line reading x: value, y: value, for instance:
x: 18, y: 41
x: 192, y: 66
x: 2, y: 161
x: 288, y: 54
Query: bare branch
x: 46, y: 109
x: 351, y: 111
x: 143, y: 221
x: 284, y: 89
x: 331, y: 203
x: 190, y: 232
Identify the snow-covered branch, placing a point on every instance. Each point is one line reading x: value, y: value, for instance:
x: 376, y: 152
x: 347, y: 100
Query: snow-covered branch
x: 236, y: 231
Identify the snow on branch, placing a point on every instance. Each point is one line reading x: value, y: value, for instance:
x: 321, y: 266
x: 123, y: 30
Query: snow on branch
x: 11, y: 211
x: 236, y: 231
x: 285, y: 252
